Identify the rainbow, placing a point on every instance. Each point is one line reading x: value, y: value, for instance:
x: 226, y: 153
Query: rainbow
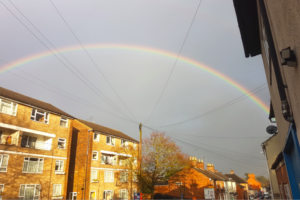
x: 150, y: 50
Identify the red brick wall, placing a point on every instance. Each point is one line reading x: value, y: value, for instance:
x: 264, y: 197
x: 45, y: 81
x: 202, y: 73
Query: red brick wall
x: 240, y: 192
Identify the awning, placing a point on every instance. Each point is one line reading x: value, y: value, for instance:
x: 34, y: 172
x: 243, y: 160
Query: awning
x: 26, y: 130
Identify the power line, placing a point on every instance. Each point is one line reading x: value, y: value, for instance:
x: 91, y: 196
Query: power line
x: 91, y: 58
x: 256, y: 157
x: 76, y: 98
x: 175, y: 62
x: 242, y: 97
x: 219, y: 137
x: 58, y: 57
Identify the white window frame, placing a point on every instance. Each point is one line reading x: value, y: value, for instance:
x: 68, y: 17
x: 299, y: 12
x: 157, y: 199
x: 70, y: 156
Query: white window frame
x: 110, y: 141
x: 62, y: 140
x: 2, y: 189
x: 53, y: 190
x: 46, y: 116
x: 93, y: 155
x: 35, y: 188
x: 59, y: 165
x: 13, y: 112
x: 178, y: 183
x: 95, y: 194
x: 135, y: 177
x: 92, y: 180
x: 124, y: 173
x: 135, y: 145
x: 106, y: 173
x: 98, y: 137
x: 108, y: 191
x: 40, y: 160
x: 124, y: 143
x: 64, y: 119
x: 135, y: 161
x: 2, y: 155
x: 126, y: 194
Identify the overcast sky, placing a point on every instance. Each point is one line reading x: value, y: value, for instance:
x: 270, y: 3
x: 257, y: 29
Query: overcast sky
x: 139, y: 77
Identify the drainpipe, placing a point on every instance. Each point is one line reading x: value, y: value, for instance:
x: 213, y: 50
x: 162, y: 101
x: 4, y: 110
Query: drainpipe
x: 281, y: 87
x: 87, y: 157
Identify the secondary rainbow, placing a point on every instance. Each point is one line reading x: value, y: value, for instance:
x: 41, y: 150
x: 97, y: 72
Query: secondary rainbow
x: 125, y: 47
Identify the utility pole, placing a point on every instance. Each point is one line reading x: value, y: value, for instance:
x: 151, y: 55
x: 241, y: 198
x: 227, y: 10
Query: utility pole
x: 140, y: 158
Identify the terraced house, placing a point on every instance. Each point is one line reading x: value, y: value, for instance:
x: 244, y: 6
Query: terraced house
x: 34, y: 146
x: 103, y: 163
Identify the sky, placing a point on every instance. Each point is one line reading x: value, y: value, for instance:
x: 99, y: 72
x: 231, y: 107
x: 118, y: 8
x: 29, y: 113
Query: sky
x: 118, y: 68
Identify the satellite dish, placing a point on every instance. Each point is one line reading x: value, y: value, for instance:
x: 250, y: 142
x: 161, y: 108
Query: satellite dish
x: 272, y: 129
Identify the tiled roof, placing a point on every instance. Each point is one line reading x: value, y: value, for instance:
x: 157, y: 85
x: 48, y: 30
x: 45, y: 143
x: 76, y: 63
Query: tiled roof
x: 236, y: 178
x: 31, y: 101
x: 209, y: 174
x: 105, y: 130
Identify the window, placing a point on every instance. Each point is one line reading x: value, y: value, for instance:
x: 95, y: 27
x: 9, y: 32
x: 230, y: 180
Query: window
x: 123, y: 194
x: 110, y: 140
x: 123, y: 176
x: 94, y: 177
x: 8, y: 107
x: 96, y: 136
x: 93, y: 195
x: 33, y: 165
x: 108, y: 194
x: 39, y: 116
x: 135, y: 161
x: 108, y: 159
x: 28, y: 141
x: 61, y: 143
x: 135, y: 145
x: 59, y: 165
x: 64, y: 122
x: 3, y: 163
x: 109, y: 176
x: 134, y: 177
x: 56, y: 190
x: 1, y: 189
x: 29, y: 192
x: 95, y: 155
x: 123, y: 161
x: 124, y: 143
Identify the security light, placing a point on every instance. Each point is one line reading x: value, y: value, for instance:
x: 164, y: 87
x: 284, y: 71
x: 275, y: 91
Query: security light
x: 288, y: 57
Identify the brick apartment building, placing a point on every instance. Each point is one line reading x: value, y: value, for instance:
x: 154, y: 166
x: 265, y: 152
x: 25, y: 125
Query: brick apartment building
x: 103, y: 163
x: 34, y: 148
x: 192, y: 181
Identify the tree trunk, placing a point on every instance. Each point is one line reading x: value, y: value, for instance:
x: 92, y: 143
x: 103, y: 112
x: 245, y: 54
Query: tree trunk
x: 152, y: 193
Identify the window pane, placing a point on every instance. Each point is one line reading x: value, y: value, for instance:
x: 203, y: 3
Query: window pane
x: 4, y: 161
x: 56, y: 190
x: 95, y: 155
x: 29, y: 193
x: 40, y: 167
x: 32, y: 166
x: 39, y: 117
x: 107, y: 140
x: 112, y: 141
x: 22, y: 190
x: 37, y: 190
x: 5, y: 107
x: 25, y: 166
x: 63, y: 123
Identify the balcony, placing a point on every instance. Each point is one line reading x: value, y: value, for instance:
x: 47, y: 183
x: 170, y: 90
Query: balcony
x: 26, y: 143
x: 9, y: 140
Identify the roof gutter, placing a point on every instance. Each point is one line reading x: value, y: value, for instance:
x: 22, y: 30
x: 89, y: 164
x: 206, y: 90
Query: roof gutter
x: 281, y: 87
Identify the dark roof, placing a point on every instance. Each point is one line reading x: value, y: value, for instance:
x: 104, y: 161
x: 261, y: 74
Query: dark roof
x: 247, y: 17
x: 223, y: 176
x: 105, y: 130
x: 161, y: 183
x: 241, y: 186
x: 20, y: 98
x: 278, y: 159
x: 209, y: 174
x: 236, y: 178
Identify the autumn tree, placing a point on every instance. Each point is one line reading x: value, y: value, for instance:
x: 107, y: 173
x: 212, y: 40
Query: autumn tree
x: 161, y: 158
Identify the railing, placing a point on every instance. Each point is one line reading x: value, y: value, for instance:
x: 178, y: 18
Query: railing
x: 35, y: 145
x: 8, y: 140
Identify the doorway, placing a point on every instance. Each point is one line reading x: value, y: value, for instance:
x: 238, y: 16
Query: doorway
x: 108, y: 195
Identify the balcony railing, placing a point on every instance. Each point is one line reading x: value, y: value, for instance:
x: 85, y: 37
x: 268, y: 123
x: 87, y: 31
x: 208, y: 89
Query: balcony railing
x: 8, y: 140
x: 35, y: 145
x: 13, y: 141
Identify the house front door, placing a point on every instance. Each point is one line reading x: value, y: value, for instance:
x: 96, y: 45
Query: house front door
x: 108, y: 195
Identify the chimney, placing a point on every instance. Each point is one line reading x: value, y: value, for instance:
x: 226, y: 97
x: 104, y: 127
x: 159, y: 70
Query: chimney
x: 231, y: 172
x: 210, y: 167
x: 200, y: 164
x: 193, y: 161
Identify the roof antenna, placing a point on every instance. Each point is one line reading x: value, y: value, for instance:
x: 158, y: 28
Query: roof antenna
x: 91, y: 119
